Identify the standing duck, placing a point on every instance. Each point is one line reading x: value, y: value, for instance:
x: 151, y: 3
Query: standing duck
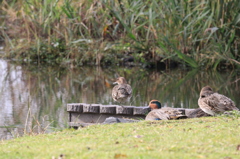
x: 122, y: 92
x: 165, y: 113
x: 214, y: 103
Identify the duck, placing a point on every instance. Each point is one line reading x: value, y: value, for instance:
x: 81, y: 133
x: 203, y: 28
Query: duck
x: 214, y: 103
x: 197, y: 113
x: 165, y: 113
x: 122, y: 92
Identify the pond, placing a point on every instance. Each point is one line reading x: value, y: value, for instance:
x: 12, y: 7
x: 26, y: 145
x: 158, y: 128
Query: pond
x: 34, y: 98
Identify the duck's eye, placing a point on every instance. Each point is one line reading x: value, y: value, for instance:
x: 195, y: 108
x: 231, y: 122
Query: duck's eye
x: 203, y: 96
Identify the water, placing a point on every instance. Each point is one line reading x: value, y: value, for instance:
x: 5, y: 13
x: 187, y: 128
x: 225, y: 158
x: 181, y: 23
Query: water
x: 34, y: 99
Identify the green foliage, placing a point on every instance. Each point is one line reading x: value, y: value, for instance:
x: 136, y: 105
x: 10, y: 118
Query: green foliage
x: 194, y: 33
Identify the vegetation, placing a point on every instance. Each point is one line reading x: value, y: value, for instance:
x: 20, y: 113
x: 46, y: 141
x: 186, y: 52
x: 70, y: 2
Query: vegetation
x: 194, y: 33
x: 213, y: 137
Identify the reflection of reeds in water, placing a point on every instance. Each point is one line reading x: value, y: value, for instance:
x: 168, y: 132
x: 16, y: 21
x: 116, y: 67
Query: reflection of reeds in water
x: 93, y: 85
x: 46, y: 90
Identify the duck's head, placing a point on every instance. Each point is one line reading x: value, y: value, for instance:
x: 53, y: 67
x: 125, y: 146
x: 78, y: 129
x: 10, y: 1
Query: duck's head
x: 155, y: 104
x: 120, y: 80
x: 206, y: 91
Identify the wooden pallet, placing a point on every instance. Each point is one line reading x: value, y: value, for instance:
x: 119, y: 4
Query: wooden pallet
x: 80, y: 113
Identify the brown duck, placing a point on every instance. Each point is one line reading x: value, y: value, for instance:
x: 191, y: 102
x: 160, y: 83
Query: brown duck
x: 122, y: 92
x: 165, y: 113
x: 214, y: 103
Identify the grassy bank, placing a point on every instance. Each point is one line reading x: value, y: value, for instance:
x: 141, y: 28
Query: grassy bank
x: 215, y: 137
x: 194, y: 33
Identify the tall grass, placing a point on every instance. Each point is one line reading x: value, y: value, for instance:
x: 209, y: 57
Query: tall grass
x: 195, y: 33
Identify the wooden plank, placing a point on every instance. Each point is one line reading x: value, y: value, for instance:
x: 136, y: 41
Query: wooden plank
x: 91, y: 108
x: 75, y: 107
x: 126, y: 110
x: 141, y: 110
x: 108, y: 109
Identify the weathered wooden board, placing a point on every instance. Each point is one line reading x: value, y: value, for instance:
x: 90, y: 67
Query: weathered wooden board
x: 91, y: 108
x: 126, y: 110
x: 107, y: 109
x: 75, y: 107
x: 141, y: 110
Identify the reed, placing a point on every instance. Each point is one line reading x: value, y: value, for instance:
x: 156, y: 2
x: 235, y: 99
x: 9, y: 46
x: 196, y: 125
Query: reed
x: 195, y: 33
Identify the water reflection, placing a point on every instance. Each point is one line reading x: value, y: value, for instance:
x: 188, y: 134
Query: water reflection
x: 34, y: 98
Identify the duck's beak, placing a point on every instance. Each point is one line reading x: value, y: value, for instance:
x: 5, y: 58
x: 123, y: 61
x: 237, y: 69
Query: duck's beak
x: 115, y: 83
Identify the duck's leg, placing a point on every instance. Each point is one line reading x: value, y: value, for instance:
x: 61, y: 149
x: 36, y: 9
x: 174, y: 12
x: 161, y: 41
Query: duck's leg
x: 121, y: 105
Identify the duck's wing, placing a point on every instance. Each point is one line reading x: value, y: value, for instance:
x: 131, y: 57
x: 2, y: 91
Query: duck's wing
x: 125, y: 90
x: 219, y: 102
x: 173, y: 113
x: 226, y: 102
x: 121, y: 91
x: 157, y: 114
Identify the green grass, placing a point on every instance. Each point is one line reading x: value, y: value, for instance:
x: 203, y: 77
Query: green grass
x: 213, y: 137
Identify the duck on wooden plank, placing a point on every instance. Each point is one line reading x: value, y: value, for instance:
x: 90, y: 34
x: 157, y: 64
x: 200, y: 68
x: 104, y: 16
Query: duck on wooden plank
x: 122, y: 92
